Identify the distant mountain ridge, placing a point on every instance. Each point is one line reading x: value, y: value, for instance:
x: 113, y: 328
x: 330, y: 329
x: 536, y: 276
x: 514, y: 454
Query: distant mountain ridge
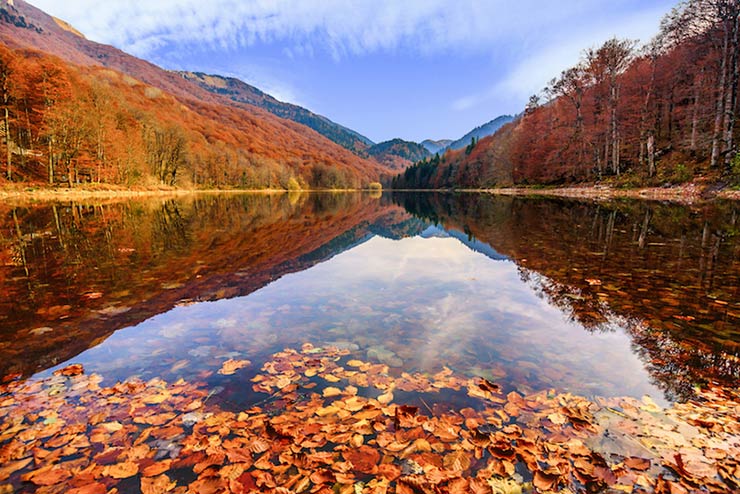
x: 242, y: 92
x: 485, y: 130
x: 436, y: 146
x: 398, y: 154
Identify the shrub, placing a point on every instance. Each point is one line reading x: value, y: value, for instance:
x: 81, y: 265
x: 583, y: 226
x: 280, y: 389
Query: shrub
x: 682, y: 173
x: 735, y: 169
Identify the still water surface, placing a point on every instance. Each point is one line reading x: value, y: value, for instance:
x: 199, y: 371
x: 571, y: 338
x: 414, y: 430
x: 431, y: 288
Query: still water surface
x: 622, y: 299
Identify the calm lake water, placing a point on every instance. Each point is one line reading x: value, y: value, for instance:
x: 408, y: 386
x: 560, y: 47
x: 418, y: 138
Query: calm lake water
x: 628, y: 298
x: 619, y: 299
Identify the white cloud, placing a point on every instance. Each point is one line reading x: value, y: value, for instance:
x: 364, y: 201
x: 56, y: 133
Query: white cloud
x: 531, y: 74
x: 546, y: 36
x: 341, y: 27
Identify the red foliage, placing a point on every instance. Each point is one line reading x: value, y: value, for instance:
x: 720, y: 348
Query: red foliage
x: 659, y: 113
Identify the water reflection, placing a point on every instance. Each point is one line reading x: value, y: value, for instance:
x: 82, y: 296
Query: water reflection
x: 72, y: 274
x: 668, y: 274
x: 619, y: 299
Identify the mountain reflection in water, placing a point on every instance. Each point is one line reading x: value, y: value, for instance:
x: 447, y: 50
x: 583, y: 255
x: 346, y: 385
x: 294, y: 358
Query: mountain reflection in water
x: 624, y: 298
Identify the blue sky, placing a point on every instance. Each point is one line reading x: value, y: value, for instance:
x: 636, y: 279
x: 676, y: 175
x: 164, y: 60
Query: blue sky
x: 413, y: 69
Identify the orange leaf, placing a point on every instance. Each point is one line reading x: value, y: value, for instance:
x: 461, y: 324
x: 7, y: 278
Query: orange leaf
x: 156, y: 468
x: 231, y: 366
x: 635, y: 463
x: 457, y: 461
x: 157, y: 485
x: 70, y: 370
x: 122, y: 470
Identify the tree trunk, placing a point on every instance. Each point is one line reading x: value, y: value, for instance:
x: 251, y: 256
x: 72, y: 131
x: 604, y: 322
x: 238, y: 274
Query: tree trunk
x: 51, y: 161
x: 731, y: 97
x: 721, y: 92
x: 7, y: 143
x: 694, y: 120
x: 614, y: 131
x: 651, y: 154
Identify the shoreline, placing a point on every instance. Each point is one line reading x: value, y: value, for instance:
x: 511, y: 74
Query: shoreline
x: 41, y: 194
x: 685, y: 194
x: 688, y: 194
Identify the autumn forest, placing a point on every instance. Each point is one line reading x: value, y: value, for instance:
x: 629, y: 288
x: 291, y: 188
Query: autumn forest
x: 206, y: 287
x: 660, y: 113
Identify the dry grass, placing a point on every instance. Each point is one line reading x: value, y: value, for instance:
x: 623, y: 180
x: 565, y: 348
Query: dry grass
x: 688, y: 193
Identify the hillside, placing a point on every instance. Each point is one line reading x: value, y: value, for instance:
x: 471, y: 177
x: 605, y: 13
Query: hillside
x: 145, y: 125
x: 242, y: 92
x: 398, y: 154
x: 487, y: 129
x: 436, y: 146
x: 661, y: 115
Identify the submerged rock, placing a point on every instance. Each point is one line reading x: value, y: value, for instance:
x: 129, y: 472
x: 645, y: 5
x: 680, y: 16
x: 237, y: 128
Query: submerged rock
x: 344, y: 345
x: 384, y: 356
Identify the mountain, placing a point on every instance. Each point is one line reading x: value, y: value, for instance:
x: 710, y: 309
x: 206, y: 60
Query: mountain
x: 484, y: 130
x: 436, y: 146
x: 149, y: 115
x: 398, y: 154
x: 242, y: 92
x: 487, y: 164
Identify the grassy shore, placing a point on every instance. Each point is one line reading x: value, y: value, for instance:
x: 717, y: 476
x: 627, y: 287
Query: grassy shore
x: 686, y: 193
x: 21, y: 194
x: 689, y: 193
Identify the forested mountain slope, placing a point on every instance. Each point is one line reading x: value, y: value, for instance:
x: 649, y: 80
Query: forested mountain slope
x: 80, y: 111
x: 240, y: 91
x: 397, y: 153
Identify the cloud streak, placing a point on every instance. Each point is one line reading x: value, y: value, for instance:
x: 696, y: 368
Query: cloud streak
x: 341, y: 27
x: 531, y: 73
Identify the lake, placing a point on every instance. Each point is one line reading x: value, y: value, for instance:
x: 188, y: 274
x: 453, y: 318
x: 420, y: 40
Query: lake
x: 355, y: 342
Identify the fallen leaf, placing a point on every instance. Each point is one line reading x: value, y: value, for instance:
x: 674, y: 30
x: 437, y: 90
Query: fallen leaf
x: 157, y: 485
x: 635, y: 463
x: 122, y: 470
x: 457, y: 461
x: 70, y: 370
x: 231, y: 366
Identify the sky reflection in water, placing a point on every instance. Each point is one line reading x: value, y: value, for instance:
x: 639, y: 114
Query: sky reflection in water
x: 417, y: 304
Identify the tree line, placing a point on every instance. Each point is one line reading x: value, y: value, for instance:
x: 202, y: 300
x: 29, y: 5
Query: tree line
x: 63, y: 124
x: 662, y: 112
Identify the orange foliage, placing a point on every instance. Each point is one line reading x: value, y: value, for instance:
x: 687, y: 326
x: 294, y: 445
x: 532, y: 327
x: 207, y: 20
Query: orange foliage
x: 97, y: 114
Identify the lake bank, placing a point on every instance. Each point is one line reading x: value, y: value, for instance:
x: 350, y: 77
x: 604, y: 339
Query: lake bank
x: 689, y: 193
x: 28, y: 194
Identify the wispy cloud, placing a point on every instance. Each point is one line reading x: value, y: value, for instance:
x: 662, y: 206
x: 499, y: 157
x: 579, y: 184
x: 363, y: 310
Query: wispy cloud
x: 341, y: 27
x: 530, y: 74
x: 506, y: 50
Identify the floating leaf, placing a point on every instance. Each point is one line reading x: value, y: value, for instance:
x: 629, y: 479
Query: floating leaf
x: 331, y: 391
x: 122, y: 470
x: 157, y: 485
x: 70, y: 370
x: 231, y: 366
x: 635, y: 463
